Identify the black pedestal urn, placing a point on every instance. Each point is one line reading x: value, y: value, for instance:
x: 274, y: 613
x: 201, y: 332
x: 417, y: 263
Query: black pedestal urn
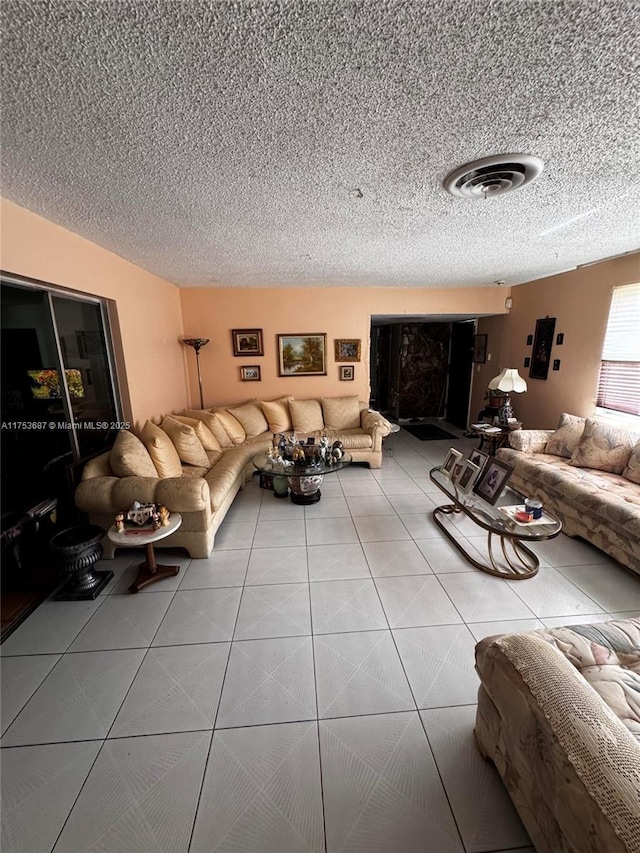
x: 78, y: 549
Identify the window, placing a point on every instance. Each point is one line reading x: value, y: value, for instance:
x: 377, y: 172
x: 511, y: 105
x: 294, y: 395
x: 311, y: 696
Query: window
x: 619, y: 383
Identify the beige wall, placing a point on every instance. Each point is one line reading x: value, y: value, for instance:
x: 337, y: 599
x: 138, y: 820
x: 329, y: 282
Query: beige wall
x: 340, y: 312
x: 148, y: 308
x: 579, y: 300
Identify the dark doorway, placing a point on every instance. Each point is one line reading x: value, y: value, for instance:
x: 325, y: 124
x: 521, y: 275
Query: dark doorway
x: 460, y: 368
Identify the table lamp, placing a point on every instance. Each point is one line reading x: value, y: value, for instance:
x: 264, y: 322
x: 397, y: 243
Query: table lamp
x: 197, y: 344
x: 508, y: 381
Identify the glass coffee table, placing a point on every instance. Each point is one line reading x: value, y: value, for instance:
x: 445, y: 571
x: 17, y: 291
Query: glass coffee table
x: 303, y: 480
x: 512, y: 560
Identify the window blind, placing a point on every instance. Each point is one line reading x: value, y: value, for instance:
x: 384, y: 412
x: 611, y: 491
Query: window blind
x: 619, y: 383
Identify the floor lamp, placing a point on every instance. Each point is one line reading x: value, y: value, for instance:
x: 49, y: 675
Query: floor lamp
x: 197, y: 344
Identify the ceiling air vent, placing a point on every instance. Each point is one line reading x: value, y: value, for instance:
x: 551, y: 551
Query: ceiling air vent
x: 493, y: 176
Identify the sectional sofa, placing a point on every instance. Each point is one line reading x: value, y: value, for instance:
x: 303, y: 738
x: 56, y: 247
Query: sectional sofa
x: 196, y: 461
x: 588, y: 474
x: 559, y: 716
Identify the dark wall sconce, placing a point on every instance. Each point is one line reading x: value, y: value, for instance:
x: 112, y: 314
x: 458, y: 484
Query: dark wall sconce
x: 529, y: 340
x: 527, y: 362
x: 556, y: 364
x: 560, y: 338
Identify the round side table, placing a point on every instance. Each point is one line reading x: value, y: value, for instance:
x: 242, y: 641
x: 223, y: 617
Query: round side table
x: 149, y: 571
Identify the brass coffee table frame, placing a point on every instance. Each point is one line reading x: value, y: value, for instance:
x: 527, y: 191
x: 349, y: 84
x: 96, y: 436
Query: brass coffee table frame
x: 521, y: 562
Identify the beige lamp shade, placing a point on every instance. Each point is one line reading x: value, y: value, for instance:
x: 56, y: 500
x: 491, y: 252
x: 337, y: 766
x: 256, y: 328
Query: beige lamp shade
x: 509, y: 380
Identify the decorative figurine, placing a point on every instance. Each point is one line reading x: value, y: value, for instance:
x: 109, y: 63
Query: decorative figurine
x: 155, y: 521
x: 336, y: 451
x: 120, y: 522
x: 324, y: 447
x: 164, y: 514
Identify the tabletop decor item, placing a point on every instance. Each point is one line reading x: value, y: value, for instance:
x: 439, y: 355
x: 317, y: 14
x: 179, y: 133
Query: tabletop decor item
x: 347, y: 349
x: 466, y: 476
x: 493, y: 480
x: 302, y: 355
x: 247, y: 342
x: 453, y: 456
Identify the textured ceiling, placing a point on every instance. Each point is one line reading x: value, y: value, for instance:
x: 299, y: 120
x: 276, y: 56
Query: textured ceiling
x: 305, y: 143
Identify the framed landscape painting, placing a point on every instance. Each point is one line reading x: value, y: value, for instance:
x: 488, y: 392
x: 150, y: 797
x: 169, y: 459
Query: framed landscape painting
x: 247, y: 341
x: 302, y: 355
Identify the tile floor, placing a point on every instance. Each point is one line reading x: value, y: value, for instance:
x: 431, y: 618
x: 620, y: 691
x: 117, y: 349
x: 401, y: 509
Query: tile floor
x: 309, y: 687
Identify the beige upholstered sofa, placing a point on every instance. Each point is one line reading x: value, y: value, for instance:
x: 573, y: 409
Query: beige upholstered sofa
x: 196, y: 461
x: 588, y: 474
x: 559, y: 715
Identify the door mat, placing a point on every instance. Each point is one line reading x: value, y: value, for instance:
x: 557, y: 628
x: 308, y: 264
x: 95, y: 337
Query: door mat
x: 429, y: 432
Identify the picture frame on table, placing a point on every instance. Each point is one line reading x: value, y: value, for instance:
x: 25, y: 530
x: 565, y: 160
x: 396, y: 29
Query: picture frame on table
x: 493, y: 479
x: 302, y: 355
x: 347, y: 349
x: 452, y: 457
x: 465, y: 478
x: 250, y: 373
x: 479, y: 458
x: 347, y: 372
x: 247, y: 342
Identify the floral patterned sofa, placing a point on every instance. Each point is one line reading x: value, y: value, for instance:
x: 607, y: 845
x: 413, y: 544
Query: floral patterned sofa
x: 588, y: 474
x: 559, y: 715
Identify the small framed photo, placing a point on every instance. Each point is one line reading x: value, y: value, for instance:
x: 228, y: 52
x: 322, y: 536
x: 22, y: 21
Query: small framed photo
x: 492, y: 480
x: 347, y: 372
x: 347, y: 349
x: 465, y: 478
x: 250, y: 374
x: 247, y: 341
x: 479, y: 458
x: 480, y: 349
x: 453, y: 457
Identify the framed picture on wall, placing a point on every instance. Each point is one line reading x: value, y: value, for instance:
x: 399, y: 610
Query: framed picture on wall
x: 347, y: 372
x: 541, y: 352
x: 247, y: 341
x: 479, y: 349
x: 347, y: 349
x: 250, y: 374
x: 302, y: 355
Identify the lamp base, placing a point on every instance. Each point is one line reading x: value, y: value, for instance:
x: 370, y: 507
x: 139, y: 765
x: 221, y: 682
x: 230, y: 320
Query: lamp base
x: 505, y: 413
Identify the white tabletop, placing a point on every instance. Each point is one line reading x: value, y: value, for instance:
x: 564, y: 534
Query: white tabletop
x: 144, y: 535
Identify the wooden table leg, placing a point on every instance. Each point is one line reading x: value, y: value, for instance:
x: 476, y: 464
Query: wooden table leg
x: 150, y: 571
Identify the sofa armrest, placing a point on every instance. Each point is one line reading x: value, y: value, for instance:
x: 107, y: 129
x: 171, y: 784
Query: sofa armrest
x: 116, y: 494
x: 530, y: 440
x: 375, y: 425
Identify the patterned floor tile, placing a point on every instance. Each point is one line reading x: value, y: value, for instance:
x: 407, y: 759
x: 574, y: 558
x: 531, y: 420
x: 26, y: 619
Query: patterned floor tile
x: 275, y: 534
x: 610, y: 586
x: 550, y: 593
x: 21, y: 677
x: 51, y: 628
x: 381, y: 528
x: 268, y: 681
x: 199, y: 616
x: 351, y: 605
x: 222, y: 568
x: 369, y: 505
x: 387, y: 559
x: 277, y: 565
x: 123, y: 622
x: 359, y: 673
x: 480, y: 597
x: 278, y: 610
x: 330, y: 531
x: 262, y: 792
x: 416, y: 600
x: 147, y: 788
x: 337, y: 562
x: 177, y: 689
x: 382, y: 791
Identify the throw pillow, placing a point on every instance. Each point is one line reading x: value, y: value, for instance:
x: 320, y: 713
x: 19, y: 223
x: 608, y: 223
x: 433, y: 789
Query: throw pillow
x: 186, y: 442
x: 632, y: 471
x: 341, y: 412
x: 130, y: 458
x: 207, y: 438
x: 163, y: 453
x: 306, y: 416
x: 252, y: 419
x: 278, y: 415
x: 604, y: 448
x: 212, y: 424
x: 231, y: 425
x: 566, y: 437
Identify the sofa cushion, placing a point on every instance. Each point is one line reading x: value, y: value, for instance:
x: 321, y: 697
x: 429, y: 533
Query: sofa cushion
x: 352, y: 439
x: 604, y: 447
x: 565, y: 439
x: 251, y: 418
x: 206, y: 437
x: 632, y: 471
x: 213, y: 456
x: 130, y: 458
x: 164, y: 455
x: 231, y: 426
x: 212, y: 424
x: 186, y: 442
x: 222, y: 477
x: 306, y: 415
x: 341, y: 412
x: 278, y: 415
